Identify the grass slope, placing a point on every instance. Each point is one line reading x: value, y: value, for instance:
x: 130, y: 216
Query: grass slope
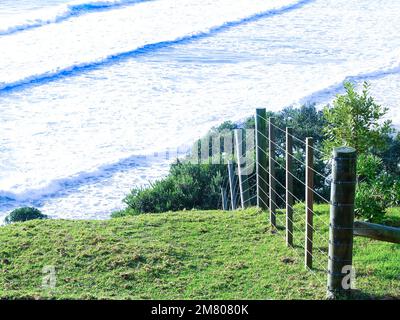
x: 183, y: 255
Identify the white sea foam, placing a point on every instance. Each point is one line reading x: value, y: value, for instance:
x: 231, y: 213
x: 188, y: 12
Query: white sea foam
x: 53, y: 14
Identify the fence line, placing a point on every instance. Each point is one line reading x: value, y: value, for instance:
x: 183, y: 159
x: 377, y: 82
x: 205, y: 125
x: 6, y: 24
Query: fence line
x: 264, y: 182
x: 265, y: 156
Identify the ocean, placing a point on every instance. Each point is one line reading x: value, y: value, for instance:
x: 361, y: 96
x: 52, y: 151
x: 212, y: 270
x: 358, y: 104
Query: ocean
x: 95, y: 96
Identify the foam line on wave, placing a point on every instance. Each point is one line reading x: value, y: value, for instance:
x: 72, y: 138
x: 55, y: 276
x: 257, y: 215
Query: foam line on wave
x: 330, y: 91
x: 114, y: 58
x: 65, y: 12
x: 56, y: 186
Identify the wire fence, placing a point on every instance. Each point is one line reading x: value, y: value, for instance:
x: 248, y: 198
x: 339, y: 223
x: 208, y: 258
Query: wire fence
x: 280, y: 164
x: 263, y: 187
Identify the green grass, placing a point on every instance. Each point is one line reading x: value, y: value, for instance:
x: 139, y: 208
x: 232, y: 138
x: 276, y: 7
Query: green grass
x: 183, y: 255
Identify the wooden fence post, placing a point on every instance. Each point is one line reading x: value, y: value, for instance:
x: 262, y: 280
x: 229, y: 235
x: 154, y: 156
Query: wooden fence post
x: 289, y: 187
x: 210, y: 150
x: 376, y: 231
x: 232, y: 185
x: 261, y: 159
x: 224, y: 198
x: 221, y: 150
x: 343, y: 188
x: 197, y: 151
x: 309, y: 202
x: 243, y: 183
x: 272, y: 175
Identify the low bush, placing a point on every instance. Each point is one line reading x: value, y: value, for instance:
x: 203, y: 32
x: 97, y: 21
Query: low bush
x: 370, y: 202
x: 187, y: 186
x: 377, y: 190
x: 24, y: 214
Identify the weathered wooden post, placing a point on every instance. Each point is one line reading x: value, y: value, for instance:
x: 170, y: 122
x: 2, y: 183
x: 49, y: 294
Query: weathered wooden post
x: 309, y: 202
x: 222, y: 149
x: 376, y: 231
x: 289, y: 187
x: 261, y: 159
x: 340, y: 255
x: 210, y: 149
x: 196, y: 153
x: 272, y: 175
x: 243, y: 183
x: 232, y: 185
x: 224, y: 198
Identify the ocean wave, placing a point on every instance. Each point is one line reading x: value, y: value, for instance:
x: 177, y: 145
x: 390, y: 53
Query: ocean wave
x: 57, y: 187
x: 59, y: 13
x: 325, y: 94
x: 117, y: 57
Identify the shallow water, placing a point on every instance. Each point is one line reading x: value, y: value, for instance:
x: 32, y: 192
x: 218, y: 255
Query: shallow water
x: 84, y: 99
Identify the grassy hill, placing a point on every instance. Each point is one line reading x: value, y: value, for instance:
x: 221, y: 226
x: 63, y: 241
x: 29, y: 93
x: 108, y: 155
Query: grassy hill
x: 183, y: 255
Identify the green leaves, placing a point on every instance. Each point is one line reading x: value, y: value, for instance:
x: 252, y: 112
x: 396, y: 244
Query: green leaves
x: 377, y: 189
x: 370, y: 202
x: 356, y: 120
x: 368, y: 167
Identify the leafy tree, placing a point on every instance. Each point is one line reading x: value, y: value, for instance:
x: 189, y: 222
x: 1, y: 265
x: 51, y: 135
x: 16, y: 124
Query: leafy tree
x: 306, y: 121
x: 355, y: 120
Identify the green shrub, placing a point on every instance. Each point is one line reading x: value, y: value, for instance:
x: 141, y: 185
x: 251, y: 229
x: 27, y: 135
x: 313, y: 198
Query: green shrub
x: 377, y: 189
x: 187, y: 186
x: 24, y: 214
x: 370, y: 199
x: 389, y: 186
x: 371, y: 204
